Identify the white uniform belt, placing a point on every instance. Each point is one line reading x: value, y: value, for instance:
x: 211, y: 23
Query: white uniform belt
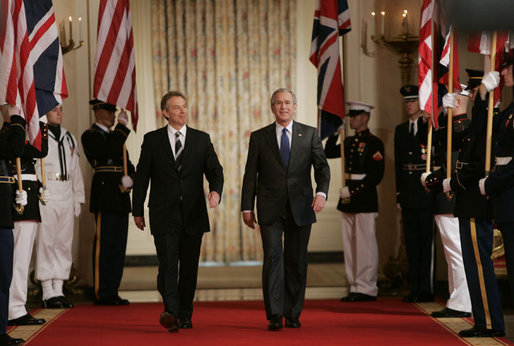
x: 56, y: 177
x: 30, y: 177
x: 502, y: 161
x: 112, y: 169
x: 352, y: 176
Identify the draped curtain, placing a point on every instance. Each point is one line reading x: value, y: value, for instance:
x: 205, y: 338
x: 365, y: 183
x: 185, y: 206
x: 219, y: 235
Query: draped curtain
x: 227, y: 56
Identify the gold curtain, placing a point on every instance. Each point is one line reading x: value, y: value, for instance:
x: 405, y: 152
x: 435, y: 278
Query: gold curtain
x: 227, y: 56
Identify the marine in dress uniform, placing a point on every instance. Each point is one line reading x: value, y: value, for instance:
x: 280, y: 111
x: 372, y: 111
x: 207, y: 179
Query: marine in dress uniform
x: 55, y: 236
x: 364, y: 163
x: 25, y: 229
x: 12, y: 138
x: 459, y: 302
x: 499, y: 184
x: 110, y: 200
x: 410, y: 155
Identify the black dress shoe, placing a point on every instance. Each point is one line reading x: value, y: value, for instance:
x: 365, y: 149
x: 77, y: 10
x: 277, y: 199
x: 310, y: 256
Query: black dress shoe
x: 275, y: 322
x: 5, y: 339
x: 361, y: 297
x: 348, y: 297
x: 112, y: 301
x: 477, y: 332
x: 447, y: 312
x: 169, y: 322
x: 52, y: 303
x: 65, y: 303
x: 410, y: 299
x: 26, y: 320
x: 293, y: 323
x: 185, y: 323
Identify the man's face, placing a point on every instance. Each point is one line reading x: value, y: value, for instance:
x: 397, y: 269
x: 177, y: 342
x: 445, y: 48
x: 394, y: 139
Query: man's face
x: 105, y: 117
x: 176, y: 112
x: 54, y: 116
x: 473, y: 93
x: 412, y: 106
x: 359, y: 122
x: 507, y: 76
x: 283, y: 108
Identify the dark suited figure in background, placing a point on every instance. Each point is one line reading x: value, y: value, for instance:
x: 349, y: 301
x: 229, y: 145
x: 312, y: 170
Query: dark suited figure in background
x: 110, y: 199
x: 12, y: 139
x: 176, y: 158
x: 410, y: 155
x: 364, y: 163
x: 278, y: 173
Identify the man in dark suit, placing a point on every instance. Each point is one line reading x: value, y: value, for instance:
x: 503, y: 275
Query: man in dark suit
x: 110, y: 199
x: 176, y: 158
x: 410, y: 156
x: 278, y: 173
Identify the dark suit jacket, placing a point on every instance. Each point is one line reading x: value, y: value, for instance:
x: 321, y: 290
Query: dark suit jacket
x: 169, y: 185
x: 267, y: 178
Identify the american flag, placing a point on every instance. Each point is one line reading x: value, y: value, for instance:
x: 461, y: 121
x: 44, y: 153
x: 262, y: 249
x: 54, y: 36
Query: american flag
x: 115, y: 68
x: 331, y: 19
x: 16, y: 73
x: 46, y: 55
x: 445, y: 63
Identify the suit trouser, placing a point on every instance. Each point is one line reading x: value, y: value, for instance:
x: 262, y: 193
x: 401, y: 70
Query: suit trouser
x: 418, y: 228
x: 360, y: 252
x: 178, y: 256
x: 507, y: 231
x: 54, y: 244
x: 6, y: 263
x: 284, y: 275
x: 476, y: 236
x: 448, y: 226
x: 109, y: 245
x: 24, y: 235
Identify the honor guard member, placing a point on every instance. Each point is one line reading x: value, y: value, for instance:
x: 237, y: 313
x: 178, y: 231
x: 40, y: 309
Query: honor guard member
x: 12, y: 139
x: 66, y: 186
x: 498, y: 185
x: 474, y: 81
x: 476, y: 229
x: 459, y: 302
x: 26, y: 223
x: 410, y: 157
x: 364, y: 163
x: 110, y: 199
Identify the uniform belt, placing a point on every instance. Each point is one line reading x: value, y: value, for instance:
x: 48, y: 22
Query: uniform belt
x: 502, y: 161
x: 29, y: 177
x: 414, y: 166
x: 460, y: 164
x: 56, y: 177
x: 113, y: 169
x: 352, y: 176
x: 7, y: 180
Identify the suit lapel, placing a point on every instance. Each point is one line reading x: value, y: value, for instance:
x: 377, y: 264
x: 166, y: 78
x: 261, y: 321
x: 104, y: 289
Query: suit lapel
x: 187, y: 145
x: 271, y: 138
x: 296, y: 137
x: 165, y: 143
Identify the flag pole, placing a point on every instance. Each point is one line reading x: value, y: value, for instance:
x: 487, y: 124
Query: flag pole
x: 490, y: 110
x: 450, y: 116
x: 342, y: 129
x: 43, y: 178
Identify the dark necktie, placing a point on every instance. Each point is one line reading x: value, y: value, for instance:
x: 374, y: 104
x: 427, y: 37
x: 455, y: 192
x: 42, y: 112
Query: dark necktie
x: 412, y: 134
x: 284, y: 148
x: 178, y: 146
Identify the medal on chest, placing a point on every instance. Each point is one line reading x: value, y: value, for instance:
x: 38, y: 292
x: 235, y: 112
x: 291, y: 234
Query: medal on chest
x: 423, y: 152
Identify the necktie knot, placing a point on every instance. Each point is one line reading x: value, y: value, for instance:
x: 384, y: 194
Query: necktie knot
x: 284, y: 148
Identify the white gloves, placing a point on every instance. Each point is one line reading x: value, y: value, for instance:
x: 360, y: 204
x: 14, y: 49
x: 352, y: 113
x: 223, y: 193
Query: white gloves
x: 21, y: 197
x: 481, y: 185
x: 491, y: 80
x: 424, y: 178
x: 76, y: 209
x: 123, y: 118
x: 45, y: 194
x: 446, y: 185
x: 127, y: 182
x: 449, y: 100
x: 344, y: 192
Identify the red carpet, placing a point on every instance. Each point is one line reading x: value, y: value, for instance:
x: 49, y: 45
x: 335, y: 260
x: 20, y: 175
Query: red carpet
x: 324, y: 322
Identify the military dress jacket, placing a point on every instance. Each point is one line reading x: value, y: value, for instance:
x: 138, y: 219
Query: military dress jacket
x: 364, y: 169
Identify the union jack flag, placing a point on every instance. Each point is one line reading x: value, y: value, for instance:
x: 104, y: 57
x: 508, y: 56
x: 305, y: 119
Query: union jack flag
x: 331, y: 20
x: 115, y: 66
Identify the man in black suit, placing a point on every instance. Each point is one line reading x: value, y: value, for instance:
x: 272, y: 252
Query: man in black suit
x: 410, y: 156
x: 176, y: 158
x: 110, y: 199
x: 278, y: 172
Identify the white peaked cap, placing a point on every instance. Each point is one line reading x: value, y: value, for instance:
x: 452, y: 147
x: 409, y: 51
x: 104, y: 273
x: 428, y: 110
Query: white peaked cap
x: 359, y: 106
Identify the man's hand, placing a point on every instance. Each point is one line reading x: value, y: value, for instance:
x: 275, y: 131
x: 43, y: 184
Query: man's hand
x: 127, y: 182
x: 214, y: 199
x: 481, y: 185
x: 249, y: 219
x: 424, y: 178
x: 45, y: 194
x: 77, y: 209
x: 140, y: 222
x: 319, y: 203
x: 491, y: 80
x: 344, y: 192
x: 21, y: 197
x: 123, y: 118
x: 449, y: 100
x: 446, y: 185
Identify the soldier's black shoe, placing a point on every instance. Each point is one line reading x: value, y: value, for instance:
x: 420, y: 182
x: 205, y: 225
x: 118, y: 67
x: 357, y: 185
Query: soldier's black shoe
x: 26, y: 320
x: 293, y: 323
x: 348, y: 297
x: 359, y: 297
x: 5, y: 339
x: 59, y: 302
x: 275, y: 322
x: 65, y: 303
x: 447, y: 313
x: 477, y: 332
x: 185, y: 323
